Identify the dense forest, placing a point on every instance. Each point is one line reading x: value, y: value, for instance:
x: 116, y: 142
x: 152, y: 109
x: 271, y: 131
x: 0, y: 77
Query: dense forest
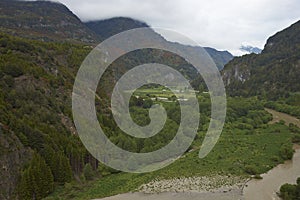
x: 35, y: 101
x: 41, y: 153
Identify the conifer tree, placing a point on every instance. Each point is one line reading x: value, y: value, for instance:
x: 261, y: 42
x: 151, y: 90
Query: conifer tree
x: 37, y: 180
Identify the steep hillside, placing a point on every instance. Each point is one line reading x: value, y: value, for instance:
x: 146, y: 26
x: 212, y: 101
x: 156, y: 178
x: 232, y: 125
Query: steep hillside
x: 109, y: 27
x: 13, y: 158
x: 221, y: 58
x: 43, y: 20
x: 36, y: 81
x: 272, y: 74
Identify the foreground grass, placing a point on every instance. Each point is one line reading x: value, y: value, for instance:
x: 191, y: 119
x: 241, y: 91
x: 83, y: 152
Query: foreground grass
x: 237, y: 152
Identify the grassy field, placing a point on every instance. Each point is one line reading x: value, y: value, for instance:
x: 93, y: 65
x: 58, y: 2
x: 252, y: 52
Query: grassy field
x: 163, y: 92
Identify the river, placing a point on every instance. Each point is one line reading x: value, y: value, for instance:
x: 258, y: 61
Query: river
x: 288, y: 172
x: 264, y: 189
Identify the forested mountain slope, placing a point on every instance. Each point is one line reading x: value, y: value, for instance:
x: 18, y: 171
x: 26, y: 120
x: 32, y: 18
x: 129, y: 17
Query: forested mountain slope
x: 35, y: 97
x: 272, y: 74
x: 43, y: 20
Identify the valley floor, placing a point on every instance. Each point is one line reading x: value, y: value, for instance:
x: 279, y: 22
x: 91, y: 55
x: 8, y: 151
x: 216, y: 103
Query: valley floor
x: 234, y: 188
x: 264, y: 189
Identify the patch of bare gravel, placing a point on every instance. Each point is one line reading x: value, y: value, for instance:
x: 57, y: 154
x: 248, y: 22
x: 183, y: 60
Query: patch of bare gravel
x: 194, y: 184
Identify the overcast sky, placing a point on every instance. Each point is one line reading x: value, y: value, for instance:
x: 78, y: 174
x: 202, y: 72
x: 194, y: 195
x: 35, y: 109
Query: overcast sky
x: 221, y: 24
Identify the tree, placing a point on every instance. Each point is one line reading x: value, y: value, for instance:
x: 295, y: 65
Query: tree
x: 88, y: 172
x: 288, y: 192
x: 25, y: 187
x: 61, y: 168
x: 37, y: 181
x: 148, y: 103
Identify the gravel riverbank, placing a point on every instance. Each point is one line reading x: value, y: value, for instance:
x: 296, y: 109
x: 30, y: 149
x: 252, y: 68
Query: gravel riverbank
x: 193, y: 188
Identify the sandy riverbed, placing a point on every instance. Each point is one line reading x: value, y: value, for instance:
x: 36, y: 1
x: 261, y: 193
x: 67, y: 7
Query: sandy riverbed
x: 232, y: 195
x: 193, y: 188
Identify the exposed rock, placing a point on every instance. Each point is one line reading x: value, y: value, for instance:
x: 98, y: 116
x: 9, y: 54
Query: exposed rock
x: 194, y: 184
x: 13, y: 156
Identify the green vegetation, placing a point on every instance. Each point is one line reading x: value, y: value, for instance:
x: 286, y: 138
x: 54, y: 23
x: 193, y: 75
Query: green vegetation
x: 248, y: 146
x: 44, y: 20
x: 288, y: 105
x: 290, y: 192
x: 37, y: 181
x: 35, y: 101
x: 35, y: 98
x: 273, y: 74
x: 36, y: 80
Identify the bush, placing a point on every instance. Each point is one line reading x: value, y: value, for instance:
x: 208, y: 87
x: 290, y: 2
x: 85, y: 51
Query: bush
x: 286, y: 151
x: 288, y: 192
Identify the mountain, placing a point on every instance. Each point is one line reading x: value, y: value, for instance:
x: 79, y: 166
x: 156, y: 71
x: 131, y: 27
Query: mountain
x: 37, y: 133
x: 221, y: 58
x: 250, y: 49
x: 275, y: 71
x: 43, y: 20
x: 51, y: 21
x: 42, y: 45
x: 109, y: 27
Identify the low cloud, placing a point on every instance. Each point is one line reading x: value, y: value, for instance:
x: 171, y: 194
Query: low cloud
x: 221, y: 24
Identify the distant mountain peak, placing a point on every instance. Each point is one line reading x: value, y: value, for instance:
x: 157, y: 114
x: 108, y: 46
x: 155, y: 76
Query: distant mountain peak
x: 109, y: 27
x: 250, y: 49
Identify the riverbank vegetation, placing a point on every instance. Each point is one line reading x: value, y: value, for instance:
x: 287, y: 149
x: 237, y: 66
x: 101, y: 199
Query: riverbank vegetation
x: 290, y: 105
x: 290, y: 192
x: 248, y: 146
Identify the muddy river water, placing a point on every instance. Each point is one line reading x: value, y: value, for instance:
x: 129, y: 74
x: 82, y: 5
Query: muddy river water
x: 266, y: 188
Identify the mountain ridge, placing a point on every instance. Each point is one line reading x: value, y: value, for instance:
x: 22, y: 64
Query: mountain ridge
x: 111, y: 26
x: 52, y: 21
x: 44, y: 20
x: 275, y: 70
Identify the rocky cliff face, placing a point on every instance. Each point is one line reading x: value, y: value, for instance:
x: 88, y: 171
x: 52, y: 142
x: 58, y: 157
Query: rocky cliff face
x: 276, y: 70
x: 13, y: 157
